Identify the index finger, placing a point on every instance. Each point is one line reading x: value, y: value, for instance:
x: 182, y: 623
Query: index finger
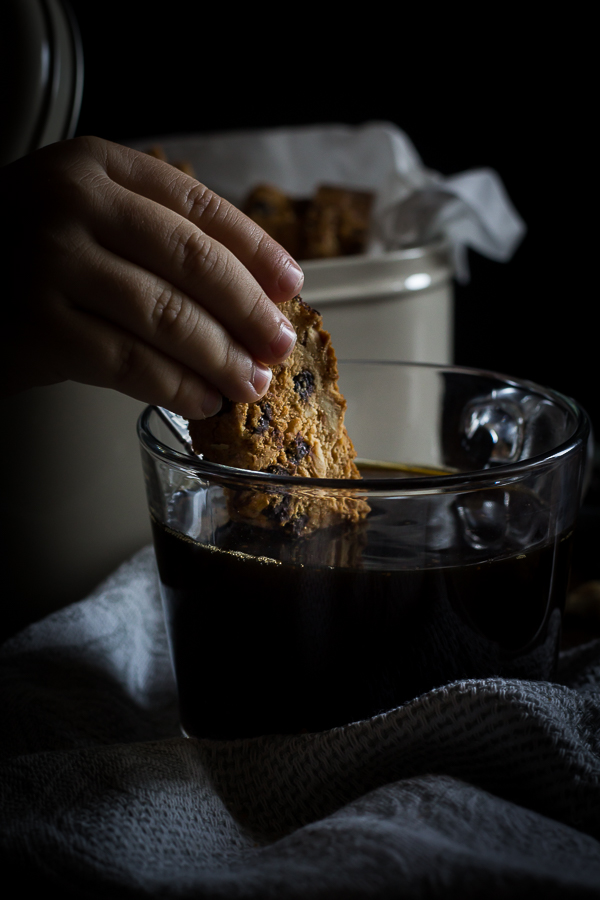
x: 274, y: 269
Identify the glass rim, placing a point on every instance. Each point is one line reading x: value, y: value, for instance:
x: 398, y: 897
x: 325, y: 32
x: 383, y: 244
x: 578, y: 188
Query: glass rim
x: 496, y: 475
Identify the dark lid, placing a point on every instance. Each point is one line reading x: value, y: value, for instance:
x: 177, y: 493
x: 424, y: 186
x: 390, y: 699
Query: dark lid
x: 41, y: 75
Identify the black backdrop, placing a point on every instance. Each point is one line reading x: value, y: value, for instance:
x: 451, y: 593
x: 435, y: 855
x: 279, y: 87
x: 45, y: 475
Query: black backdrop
x: 469, y: 90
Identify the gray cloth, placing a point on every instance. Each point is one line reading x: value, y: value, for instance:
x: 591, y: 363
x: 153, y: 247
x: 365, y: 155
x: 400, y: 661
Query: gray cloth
x: 481, y: 788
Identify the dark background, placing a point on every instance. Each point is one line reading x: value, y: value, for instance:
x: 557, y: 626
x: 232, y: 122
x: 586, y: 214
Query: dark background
x: 470, y: 91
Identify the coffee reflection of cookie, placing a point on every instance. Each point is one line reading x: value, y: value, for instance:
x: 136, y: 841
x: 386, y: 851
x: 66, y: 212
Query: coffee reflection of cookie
x: 297, y: 428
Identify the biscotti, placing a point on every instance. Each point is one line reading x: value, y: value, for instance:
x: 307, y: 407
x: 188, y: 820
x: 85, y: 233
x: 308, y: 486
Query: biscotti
x: 335, y: 221
x: 278, y: 215
x: 296, y: 429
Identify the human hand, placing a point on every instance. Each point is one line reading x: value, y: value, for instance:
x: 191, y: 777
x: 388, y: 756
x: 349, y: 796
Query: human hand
x: 124, y: 272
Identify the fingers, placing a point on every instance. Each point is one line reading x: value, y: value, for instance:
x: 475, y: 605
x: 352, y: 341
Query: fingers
x: 276, y: 272
x: 134, y: 276
x: 99, y: 353
x: 152, y: 311
x: 205, y: 274
x: 146, y: 208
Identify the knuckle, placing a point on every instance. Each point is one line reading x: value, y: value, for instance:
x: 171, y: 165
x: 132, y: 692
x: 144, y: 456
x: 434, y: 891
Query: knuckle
x: 89, y: 143
x: 168, y: 312
x: 193, y: 252
x: 79, y: 183
x: 202, y: 204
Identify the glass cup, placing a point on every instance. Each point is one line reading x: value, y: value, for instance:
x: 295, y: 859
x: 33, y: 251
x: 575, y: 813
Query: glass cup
x: 472, y: 482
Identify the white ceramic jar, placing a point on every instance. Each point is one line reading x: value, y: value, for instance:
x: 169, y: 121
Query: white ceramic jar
x: 396, y: 306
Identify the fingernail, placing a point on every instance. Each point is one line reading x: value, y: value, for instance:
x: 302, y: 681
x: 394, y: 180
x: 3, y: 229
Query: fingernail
x: 212, y: 403
x: 292, y: 279
x: 261, y: 378
x: 284, y: 343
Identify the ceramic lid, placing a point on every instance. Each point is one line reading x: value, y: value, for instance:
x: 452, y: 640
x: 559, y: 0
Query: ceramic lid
x: 389, y: 274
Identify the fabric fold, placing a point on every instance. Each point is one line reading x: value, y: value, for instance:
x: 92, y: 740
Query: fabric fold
x: 487, y: 786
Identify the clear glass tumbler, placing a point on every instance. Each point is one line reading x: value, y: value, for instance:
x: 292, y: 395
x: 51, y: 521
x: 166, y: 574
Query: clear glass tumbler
x: 473, y: 482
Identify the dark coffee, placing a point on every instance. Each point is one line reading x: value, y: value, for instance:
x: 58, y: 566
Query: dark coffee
x: 263, y: 646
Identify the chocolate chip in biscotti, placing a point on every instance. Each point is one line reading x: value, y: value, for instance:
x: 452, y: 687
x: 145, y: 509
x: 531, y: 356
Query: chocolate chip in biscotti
x: 297, y: 449
x: 296, y: 429
x: 266, y: 414
x: 304, y: 384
